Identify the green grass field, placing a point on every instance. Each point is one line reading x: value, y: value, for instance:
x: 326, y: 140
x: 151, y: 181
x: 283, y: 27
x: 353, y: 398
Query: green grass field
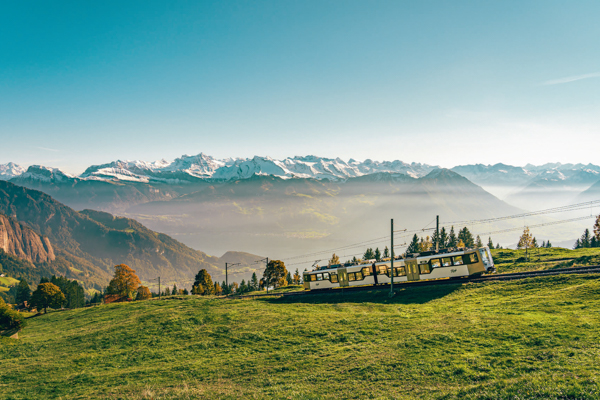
x: 535, y: 338
x: 508, y: 261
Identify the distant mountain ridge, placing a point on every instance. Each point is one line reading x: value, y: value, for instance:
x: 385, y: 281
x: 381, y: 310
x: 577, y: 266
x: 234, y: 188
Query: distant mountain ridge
x: 204, y: 167
x: 86, y: 245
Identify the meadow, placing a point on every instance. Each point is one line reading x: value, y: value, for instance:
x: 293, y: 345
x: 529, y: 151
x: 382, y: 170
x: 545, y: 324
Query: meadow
x: 534, y: 338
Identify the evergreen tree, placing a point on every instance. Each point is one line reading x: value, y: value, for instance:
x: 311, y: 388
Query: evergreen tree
x: 443, y: 238
x: 203, y: 279
x: 543, y: 243
x: 585, y: 239
x: 413, y: 247
x: 296, y: 277
x: 288, y: 278
x: 174, y: 290
x: 224, y: 288
x: 452, y: 240
x: 72, y: 290
x: 435, y: 239
x: 498, y: 246
x: 386, y: 252
x: 377, y: 254
x: 466, y: 237
x: 548, y: 244
x: 185, y: 291
x: 534, y: 243
x: 243, y: 288
x: 254, y: 281
x: 23, y: 292
x: 167, y: 292
x: 594, y: 242
x: 369, y: 254
x: 478, y: 242
x: 597, y: 229
x: 490, y: 243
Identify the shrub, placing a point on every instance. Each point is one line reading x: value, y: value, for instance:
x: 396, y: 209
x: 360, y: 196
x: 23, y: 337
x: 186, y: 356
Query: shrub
x: 10, y: 319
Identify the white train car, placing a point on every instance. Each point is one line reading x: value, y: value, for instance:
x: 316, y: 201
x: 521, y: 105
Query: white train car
x: 447, y: 263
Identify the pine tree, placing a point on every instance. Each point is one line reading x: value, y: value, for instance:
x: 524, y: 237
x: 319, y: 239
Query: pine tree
x: 452, y: 240
x: 224, y: 288
x: 243, y: 287
x: 597, y: 228
x: 490, y: 243
x: 203, y: 279
x: 534, y: 243
x: 386, y: 252
x: 435, y: 239
x: 593, y: 242
x: 443, y: 238
x: 254, y: 281
x: 548, y: 244
x: 413, y: 247
x: 498, y: 246
x: 288, y: 278
x: 543, y: 243
x: 377, y: 254
x: 369, y: 254
x: 174, y: 290
x: 478, y: 242
x: 185, y: 291
x: 23, y: 292
x: 296, y: 277
x: 466, y: 237
x: 577, y: 244
x: 585, y: 239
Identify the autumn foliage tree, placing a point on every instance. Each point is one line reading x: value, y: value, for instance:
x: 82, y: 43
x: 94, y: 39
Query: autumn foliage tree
x: 526, y: 240
x: 125, y: 281
x: 46, y: 295
x: 143, y: 293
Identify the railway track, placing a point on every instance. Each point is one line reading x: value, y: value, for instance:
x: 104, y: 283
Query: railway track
x: 498, y: 277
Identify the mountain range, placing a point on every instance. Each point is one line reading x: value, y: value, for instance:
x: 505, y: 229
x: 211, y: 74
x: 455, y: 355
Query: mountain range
x: 296, y: 205
x: 135, y: 182
x: 86, y: 245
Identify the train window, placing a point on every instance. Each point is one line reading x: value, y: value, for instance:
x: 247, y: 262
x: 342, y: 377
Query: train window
x: 313, y: 277
x: 383, y: 270
x: 425, y: 269
x: 366, y: 271
x: 436, y: 263
x: 325, y: 276
x: 351, y: 276
x: 473, y: 258
x: 446, y: 261
x: 319, y: 277
x: 458, y: 260
x: 359, y: 276
x: 334, y: 278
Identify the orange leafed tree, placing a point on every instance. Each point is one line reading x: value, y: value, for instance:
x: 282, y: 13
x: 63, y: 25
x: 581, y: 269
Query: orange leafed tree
x: 143, y: 293
x: 125, y: 281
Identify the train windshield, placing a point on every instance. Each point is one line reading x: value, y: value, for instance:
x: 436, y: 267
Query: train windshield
x: 485, y: 257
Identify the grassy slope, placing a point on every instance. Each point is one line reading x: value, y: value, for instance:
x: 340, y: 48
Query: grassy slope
x: 508, y: 261
x: 523, y: 339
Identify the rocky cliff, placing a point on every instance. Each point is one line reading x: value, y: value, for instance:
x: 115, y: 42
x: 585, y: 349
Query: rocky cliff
x: 19, y: 240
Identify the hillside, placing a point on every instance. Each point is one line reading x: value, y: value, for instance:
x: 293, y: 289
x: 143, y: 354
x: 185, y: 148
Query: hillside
x: 285, y: 217
x: 535, y: 338
x: 90, y: 243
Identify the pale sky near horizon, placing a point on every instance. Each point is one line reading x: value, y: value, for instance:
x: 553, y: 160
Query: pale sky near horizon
x: 437, y: 82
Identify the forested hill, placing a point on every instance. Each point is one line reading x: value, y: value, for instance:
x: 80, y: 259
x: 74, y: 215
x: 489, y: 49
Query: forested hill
x: 88, y: 244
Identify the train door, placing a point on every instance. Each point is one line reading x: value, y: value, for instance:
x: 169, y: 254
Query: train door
x: 412, y: 270
x: 342, y: 277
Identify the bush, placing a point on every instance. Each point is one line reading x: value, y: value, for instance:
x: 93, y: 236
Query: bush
x: 10, y: 319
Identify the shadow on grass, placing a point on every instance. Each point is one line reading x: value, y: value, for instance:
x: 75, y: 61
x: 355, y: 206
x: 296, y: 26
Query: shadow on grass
x: 416, y: 295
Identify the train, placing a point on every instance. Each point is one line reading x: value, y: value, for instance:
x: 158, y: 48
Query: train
x: 436, y: 264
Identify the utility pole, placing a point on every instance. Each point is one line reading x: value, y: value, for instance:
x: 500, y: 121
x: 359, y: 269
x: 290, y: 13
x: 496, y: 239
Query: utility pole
x: 437, y: 232
x: 226, y: 280
x: 392, y: 263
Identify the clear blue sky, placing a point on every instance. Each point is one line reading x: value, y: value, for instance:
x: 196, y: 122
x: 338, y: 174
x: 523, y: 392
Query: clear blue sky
x: 441, y: 82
